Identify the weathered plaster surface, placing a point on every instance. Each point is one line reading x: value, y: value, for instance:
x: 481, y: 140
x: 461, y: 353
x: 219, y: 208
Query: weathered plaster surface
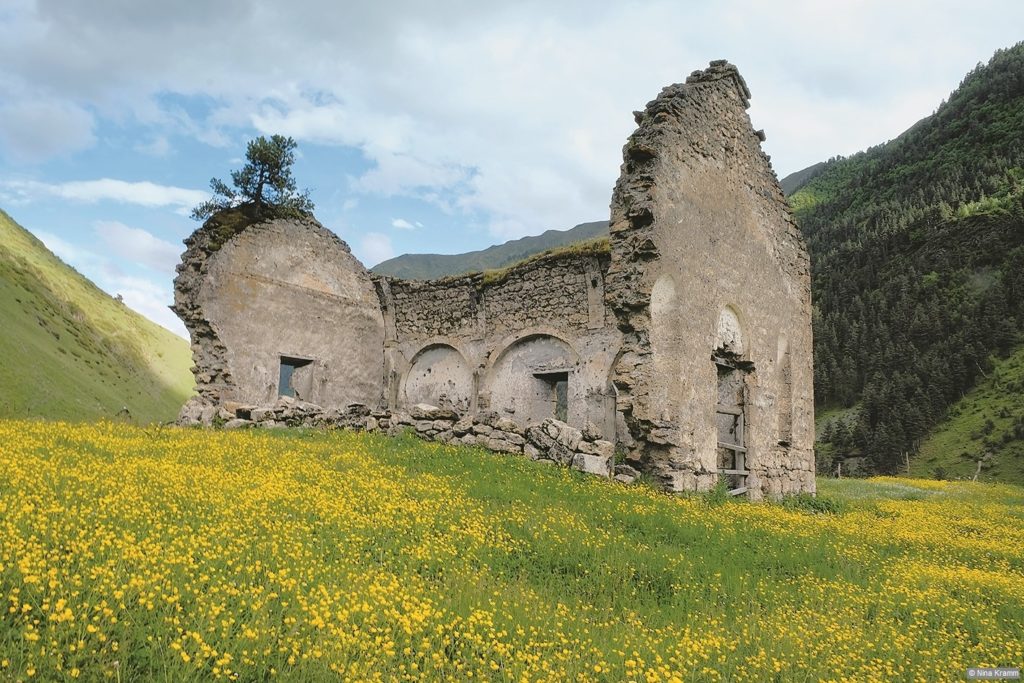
x: 281, y: 288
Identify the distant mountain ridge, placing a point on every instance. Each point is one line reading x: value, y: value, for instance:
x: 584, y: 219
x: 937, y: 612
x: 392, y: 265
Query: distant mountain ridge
x: 432, y: 266
x: 72, y: 352
x: 794, y: 181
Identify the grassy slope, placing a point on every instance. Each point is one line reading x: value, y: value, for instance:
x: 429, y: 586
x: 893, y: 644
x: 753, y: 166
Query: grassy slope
x: 430, y: 266
x: 984, y: 421
x: 72, y: 352
x: 313, y: 554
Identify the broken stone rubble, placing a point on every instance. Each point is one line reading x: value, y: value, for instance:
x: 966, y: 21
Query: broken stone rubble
x: 552, y: 440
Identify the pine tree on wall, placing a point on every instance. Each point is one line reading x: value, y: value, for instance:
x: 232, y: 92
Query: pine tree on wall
x: 265, y: 183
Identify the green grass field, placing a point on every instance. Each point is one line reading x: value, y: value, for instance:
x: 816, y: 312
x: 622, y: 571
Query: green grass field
x: 72, y: 352
x: 188, y: 555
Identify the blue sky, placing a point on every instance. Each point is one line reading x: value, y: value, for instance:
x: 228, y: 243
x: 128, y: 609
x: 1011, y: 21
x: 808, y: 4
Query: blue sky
x: 422, y: 127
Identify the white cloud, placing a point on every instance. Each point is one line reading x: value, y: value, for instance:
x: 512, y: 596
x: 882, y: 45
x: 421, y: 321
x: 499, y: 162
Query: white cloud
x: 330, y: 124
x: 159, y: 146
x: 403, y: 174
x: 34, y: 131
x: 403, y: 224
x: 139, y: 246
x: 142, y: 193
x: 515, y: 113
x: 373, y: 248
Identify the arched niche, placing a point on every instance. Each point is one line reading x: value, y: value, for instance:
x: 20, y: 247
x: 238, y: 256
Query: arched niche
x: 533, y: 379
x: 666, y: 338
x: 439, y: 375
x: 664, y: 314
x: 785, y: 392
x: 729, y: 334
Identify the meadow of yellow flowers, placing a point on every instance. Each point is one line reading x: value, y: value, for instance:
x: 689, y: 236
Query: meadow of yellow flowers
x: 132, y: 553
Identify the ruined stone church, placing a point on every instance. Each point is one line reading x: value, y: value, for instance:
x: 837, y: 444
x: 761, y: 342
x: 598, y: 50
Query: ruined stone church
x: 685, y: 341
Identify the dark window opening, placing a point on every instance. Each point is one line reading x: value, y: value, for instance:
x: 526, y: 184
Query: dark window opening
x: 558, y: 383
x: 296, y: 377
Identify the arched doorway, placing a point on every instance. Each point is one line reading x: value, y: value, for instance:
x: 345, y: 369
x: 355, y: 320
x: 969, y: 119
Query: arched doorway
x: 732, y: 369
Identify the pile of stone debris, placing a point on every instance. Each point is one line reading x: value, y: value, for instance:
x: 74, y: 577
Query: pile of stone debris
x: 551, y: 441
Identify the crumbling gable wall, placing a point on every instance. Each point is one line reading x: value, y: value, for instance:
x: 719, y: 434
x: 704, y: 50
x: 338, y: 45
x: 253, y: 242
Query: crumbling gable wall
x: 706, y: 260
x: 280, y: 289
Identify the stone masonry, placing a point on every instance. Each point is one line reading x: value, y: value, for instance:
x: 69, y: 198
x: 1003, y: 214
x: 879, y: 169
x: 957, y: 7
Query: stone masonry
x: 707, y: 261
x: 680, y: 347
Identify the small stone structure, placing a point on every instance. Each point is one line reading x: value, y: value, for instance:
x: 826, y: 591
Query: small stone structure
x: 683, y: 343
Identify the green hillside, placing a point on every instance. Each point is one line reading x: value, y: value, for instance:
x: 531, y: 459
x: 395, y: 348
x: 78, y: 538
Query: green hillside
x: 430, y: 266
x: 917, y: 251
x: 794, y: 181
x: 986, y: 427
x: 72, y: 352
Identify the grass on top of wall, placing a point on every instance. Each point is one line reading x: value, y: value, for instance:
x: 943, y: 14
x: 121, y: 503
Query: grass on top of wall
x: 601, y: 245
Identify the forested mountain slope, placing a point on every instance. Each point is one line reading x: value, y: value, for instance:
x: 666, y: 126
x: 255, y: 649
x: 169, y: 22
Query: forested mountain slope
x: 794, y: 181
x: 917, y: 250
x: 70, y: 351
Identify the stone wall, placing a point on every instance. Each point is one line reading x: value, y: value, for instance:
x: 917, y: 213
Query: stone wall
x: 451, y: 307
x: 276, y: 290
x: 706, y: 259
x: 561, y: 290
x: 550, y: 442
x: 498, y: 341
